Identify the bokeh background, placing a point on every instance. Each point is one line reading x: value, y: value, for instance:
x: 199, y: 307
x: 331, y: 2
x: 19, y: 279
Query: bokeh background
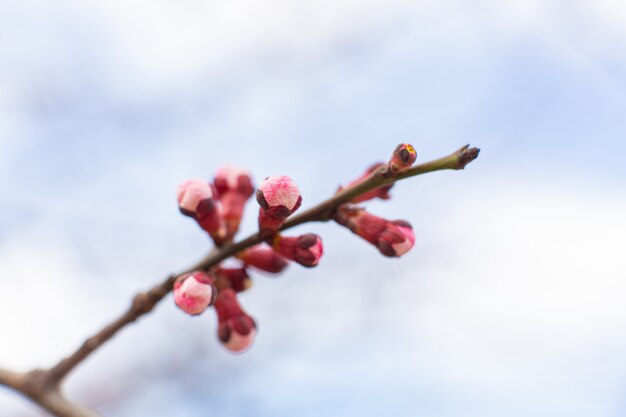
x: 510, y: 304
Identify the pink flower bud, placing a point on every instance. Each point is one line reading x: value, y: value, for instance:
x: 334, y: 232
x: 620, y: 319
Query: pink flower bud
x: 267, y: 222
x: 230, y: 178
x: 278, y: 197
x: 236, y: 278
x: 305, y: 250
x: 194, y: 195
x: 381, y: 192
x: 403, y: 246
x: 392, y: 238
x: 234, y: 186
x: 194, y: 292
x: 233, y: 204
x: 402, y: 158
x: 264, y: 258
x: 197, y: 199
x: 236, y: 330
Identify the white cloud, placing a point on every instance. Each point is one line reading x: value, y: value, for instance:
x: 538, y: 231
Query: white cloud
x: 150, y: 47
x: 526, y: 303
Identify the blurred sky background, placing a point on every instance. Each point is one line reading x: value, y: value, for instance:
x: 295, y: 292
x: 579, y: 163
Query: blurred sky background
x: 512, y: 303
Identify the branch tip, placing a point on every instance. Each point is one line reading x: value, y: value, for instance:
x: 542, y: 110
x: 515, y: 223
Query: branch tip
x: 466, y: 155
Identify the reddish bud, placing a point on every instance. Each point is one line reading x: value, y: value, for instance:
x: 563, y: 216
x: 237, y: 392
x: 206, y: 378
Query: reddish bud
x: 267, y: 222
x: 191, y: 196
x: 264, y: 258
x: 236, y: 329
x: 230, y: 178
x: 278, y: 197
x: 381, y: 192
x: 197, y: 199
x: 236, y: 278
x: 233, y: 204
x: 392, y: 238
x: 234, y: 186
x: 305, y: 250
x: 402, y: 158
x: 194, y: 292
x: 403, y: 246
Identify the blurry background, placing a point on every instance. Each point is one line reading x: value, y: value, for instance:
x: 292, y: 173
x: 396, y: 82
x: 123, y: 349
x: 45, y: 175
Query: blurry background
x: 510, y: 304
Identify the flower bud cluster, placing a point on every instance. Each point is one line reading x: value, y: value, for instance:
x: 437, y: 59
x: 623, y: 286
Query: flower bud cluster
x: 218, y: 208
x: 392, y: 238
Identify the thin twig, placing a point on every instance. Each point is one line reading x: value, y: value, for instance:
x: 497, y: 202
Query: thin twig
x: 43, y: 386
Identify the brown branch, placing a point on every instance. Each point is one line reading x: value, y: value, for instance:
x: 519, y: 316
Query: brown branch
x: 42, y: 390
x: 43, y: 386
x: 8, y: 378
x: 142, y: 304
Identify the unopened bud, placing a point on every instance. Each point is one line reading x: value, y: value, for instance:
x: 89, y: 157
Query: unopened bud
x: 380, y: 192
x: 234, y: 186
x: 392, y: 238
x: 278, y: 197
x: 236, y: 278
x: 264, y: 258
x: 402, y: 158
x: 194, y: 196
x: 269, y: 223
x: 197, y: 199
x: 230, y: 178
x: 194, y: 292
x: 397, y: 239
x: 236, y: 329
x: 305, y: 250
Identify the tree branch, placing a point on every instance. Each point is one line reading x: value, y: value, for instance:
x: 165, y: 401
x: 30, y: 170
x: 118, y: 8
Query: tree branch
x: 43, y: 391
x: 43, y: 386
x: 8, y: 378
x: 321, y: 212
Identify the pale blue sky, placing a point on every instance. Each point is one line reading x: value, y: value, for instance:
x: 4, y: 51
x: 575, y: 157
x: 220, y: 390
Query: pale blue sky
x: 511, y: 303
